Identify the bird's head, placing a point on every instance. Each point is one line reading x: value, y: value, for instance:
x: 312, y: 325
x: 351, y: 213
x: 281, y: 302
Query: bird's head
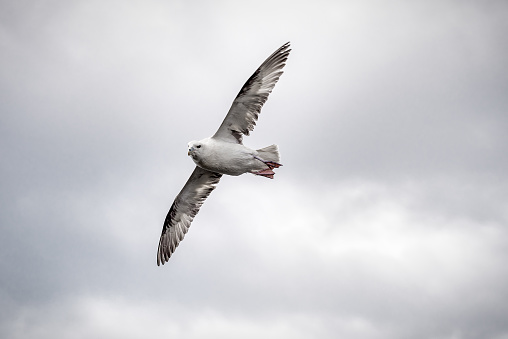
x: 194, y: 148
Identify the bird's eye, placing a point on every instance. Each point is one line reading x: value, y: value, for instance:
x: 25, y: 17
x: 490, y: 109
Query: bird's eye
x: 198, y: 146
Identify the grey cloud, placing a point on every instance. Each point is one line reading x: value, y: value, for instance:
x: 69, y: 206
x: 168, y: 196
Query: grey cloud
x: 387, y: 219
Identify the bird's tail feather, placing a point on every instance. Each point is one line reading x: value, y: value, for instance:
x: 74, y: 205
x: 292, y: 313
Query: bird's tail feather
x: 270, y: 153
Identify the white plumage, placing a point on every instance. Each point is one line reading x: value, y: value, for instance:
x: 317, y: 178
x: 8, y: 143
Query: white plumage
x: 224, y: 153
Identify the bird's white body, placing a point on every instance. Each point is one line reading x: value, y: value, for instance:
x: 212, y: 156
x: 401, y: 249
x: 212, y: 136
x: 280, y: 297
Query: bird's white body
x: 226, y: 157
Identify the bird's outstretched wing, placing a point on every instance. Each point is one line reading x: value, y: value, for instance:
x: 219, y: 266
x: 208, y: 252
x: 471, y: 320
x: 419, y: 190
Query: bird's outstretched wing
x: 243, y: 114
x: 184, y: 209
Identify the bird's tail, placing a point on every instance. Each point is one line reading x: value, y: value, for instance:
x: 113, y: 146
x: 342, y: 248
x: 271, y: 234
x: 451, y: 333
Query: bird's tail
x: 270, y: 153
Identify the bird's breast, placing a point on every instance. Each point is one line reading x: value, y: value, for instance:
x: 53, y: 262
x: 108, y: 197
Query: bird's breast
x: 230, y: 159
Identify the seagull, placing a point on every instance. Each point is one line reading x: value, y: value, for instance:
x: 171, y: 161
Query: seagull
x: 224, y: 153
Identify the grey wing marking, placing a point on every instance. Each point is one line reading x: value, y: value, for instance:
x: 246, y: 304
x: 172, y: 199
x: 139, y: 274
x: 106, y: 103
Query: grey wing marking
x: 244, y: 111
x: 183, y: 210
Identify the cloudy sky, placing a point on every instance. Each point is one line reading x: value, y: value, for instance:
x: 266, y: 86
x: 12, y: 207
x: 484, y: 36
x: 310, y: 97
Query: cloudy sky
x: 388, y: 220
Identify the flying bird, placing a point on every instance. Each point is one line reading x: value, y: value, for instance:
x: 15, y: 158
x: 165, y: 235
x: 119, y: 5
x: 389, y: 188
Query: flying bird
x: 224, y: 153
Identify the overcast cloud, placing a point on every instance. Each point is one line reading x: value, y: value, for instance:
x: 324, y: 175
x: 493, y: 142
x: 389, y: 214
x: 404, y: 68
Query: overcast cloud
x: 388, y: 220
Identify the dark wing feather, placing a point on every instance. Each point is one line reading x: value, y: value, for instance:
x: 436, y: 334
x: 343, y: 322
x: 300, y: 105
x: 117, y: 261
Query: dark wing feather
x: 244, y: 111
x: 185, y: 207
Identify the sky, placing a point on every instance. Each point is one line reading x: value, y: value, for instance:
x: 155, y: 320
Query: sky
x: 389, y: 218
